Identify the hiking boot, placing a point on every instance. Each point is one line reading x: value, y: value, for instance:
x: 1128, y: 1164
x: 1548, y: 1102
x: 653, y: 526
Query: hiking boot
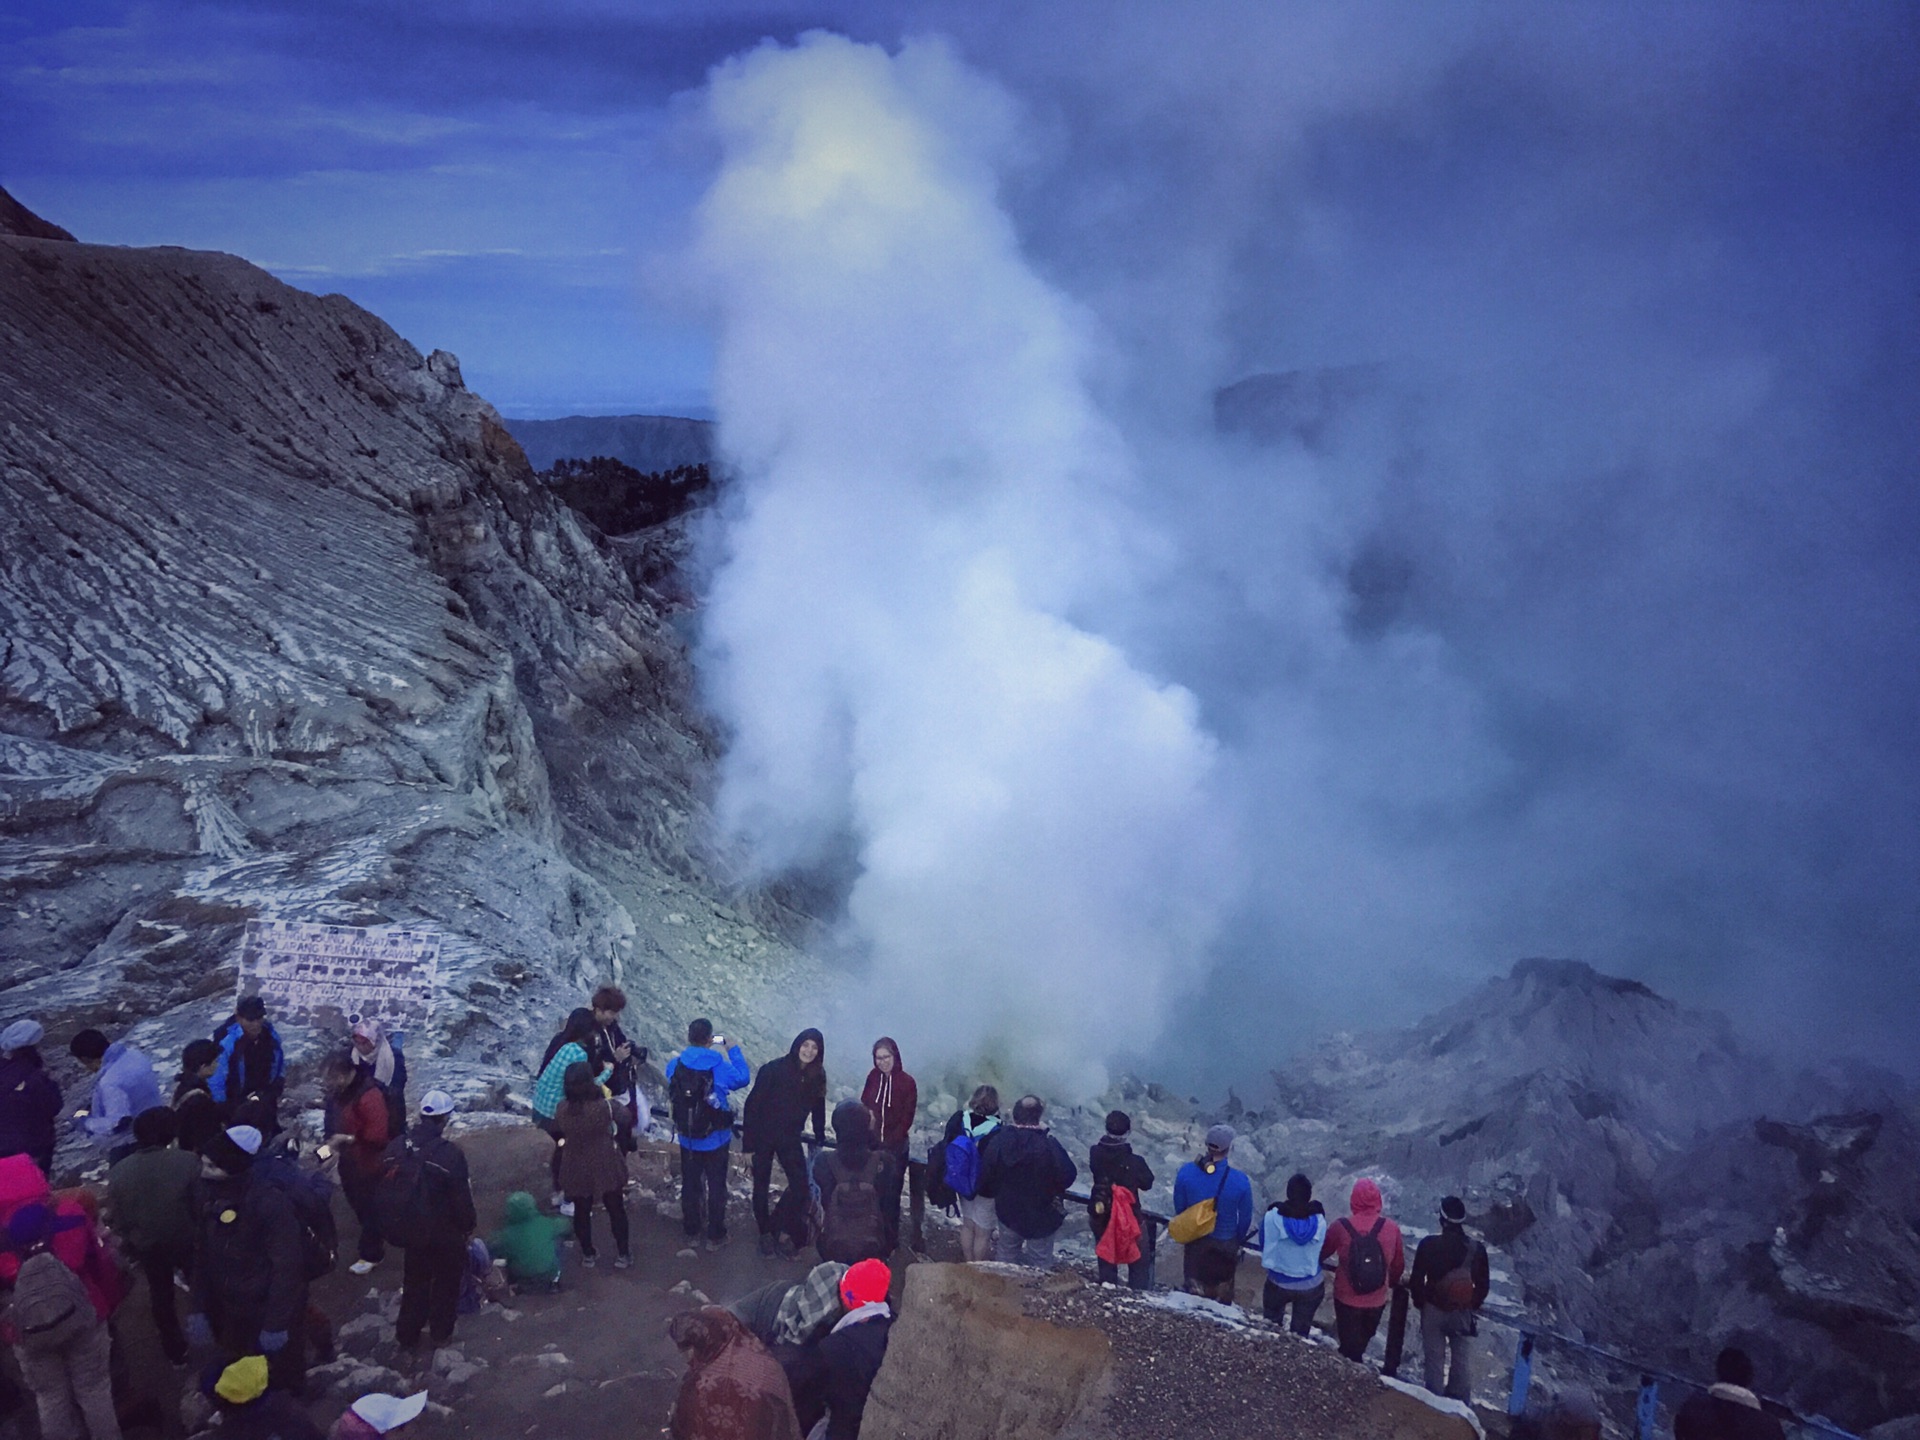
x: 767, y: 1248
x: 623, y: 1261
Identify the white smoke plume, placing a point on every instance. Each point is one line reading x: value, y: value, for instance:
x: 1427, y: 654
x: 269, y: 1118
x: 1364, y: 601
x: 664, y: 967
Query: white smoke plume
x: 905, y: 634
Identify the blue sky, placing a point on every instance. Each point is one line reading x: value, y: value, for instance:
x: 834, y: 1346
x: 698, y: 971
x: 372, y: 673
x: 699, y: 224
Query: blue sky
x: 1643, y: 280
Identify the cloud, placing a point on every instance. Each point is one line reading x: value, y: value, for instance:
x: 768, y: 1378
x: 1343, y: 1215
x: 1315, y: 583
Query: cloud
x: 904, y: 634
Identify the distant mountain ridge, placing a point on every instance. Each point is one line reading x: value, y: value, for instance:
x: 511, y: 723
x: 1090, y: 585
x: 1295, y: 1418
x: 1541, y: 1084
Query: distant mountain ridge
x: 648, y: 443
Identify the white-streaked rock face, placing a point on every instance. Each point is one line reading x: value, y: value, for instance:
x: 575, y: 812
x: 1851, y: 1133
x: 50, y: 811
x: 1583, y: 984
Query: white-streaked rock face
x: 286, y: 629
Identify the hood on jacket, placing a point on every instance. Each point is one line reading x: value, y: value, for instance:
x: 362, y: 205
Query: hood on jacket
x: 700, y: 1057
x: 21, y: 1182
x: 813, y: 1078
x: 1300, y: 1204
x: 899, y: 1060
x: 852, y: 1127
x: 1364, y: 1205
x: 520, y: 1208
x: 805, y: 1035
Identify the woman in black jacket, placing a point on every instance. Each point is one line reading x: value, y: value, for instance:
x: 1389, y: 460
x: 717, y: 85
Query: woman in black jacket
x: 786, y: 1094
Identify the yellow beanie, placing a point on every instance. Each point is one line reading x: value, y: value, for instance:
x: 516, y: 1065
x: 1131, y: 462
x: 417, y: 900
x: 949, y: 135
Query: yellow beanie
x: 243, y: 1381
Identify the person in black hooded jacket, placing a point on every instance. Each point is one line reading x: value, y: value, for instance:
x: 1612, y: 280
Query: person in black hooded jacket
x: 1112, y: 1162
x: 1027, y: 1172
x: 786, y: 1094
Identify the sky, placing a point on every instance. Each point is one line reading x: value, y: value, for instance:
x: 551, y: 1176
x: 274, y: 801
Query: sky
x: 1582, y: 621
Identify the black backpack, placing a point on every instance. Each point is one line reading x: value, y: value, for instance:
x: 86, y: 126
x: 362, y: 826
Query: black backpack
x: 939, y: 1192
x: 852, y: 1230
x: 310, y: 1193
x: 695, y: 1116
x: 1366, y: 1261
x: 404, y: 1195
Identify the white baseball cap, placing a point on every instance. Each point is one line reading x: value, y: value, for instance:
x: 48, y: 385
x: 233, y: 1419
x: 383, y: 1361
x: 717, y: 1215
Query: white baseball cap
x: 436, y: 1102
x: 246, y: 1137
x: 389, y: 1412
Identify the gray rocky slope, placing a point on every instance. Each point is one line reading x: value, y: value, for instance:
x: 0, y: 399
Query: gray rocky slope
x: 287, y: 629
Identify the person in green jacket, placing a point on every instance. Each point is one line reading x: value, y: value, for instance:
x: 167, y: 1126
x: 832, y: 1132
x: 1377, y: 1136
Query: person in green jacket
x: 150, y: 1196
x: 526, y: 1243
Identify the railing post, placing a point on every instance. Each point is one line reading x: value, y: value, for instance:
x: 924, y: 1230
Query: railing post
x: 1522, y: 1375
x: 1647, y: 1408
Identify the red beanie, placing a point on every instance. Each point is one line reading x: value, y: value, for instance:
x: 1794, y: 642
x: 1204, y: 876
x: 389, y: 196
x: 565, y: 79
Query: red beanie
x: 866, y: 1283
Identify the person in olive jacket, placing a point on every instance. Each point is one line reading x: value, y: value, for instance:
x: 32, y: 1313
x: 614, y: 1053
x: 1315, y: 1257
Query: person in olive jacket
x: 786, y: 1094
x: 1026, y: 1171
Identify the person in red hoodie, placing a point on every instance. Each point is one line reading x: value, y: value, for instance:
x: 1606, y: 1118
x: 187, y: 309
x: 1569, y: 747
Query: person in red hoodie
x: 892, y: 1100
x: 76, y: 1232
x: 1367, y: 1248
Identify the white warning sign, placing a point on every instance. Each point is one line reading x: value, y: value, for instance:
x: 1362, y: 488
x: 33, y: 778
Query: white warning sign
x: 331, y: 976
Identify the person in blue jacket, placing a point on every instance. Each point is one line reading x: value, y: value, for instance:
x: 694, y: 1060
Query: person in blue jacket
x: 1213, y: 1260
x: 253, y: 1066
x: 124, y: 1085
x: 700, y: 1080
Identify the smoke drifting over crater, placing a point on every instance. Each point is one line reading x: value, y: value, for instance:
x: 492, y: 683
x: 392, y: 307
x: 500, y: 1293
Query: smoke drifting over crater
x: 905, y: 635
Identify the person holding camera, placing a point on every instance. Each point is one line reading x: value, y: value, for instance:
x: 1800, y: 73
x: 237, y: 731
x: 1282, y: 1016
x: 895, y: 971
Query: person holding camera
x: 612, y: 1053
x: 700, y: 1081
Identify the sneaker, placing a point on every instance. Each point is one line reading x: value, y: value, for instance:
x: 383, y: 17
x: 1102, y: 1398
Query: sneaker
x: 715, y: 1244
x: 566, y: 1209
x: 767, y: 1250
x: 589, y: 1261
x: 623, y: 1262
x: 557, y: 1200
x: 360, y: 1267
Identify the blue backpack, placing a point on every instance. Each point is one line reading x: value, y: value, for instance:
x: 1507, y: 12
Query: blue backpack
x: 963, y: 1164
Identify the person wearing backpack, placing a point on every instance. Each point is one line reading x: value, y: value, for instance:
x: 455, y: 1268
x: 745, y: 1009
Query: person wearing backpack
x: 786, y: 1094
x: 249, y: 1280
x: 959, y: 1152
x: 426, y: 1208
x: 59, y: 1337
x: 1367, y: 1248
x: 1448, y: 1286
x: 359, y: 1129
x: 253, y: 1064
x: 308, y: 1189
x: 199, y: 1113
x: 151, y: 1198
x: 1112, y: 1166
x: 29, y: 1099
x: 1028, y: 1173
x: 700, y: 1082
x: 852, y: 1179
x: 1211, y: 1260
x: 592, y: 1166
x: 1291, y: 1236
x: 569, y: 1048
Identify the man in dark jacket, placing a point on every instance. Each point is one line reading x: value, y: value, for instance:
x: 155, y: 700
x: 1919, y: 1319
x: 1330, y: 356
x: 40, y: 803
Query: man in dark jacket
x: 193, y: 1102
x: 851, y: 1355
x: 1112, y: 1162
x: 436, y: 1257
x: 1729, y: 1410
x: 1026, y: 1171
x: 249, y: 1265
x: 611, y: 1051
x: 1448, y: 1287
x: 253, y: 1066
x: 29, y: 1099
x: 786, y: 1094
x: 151, y: 1195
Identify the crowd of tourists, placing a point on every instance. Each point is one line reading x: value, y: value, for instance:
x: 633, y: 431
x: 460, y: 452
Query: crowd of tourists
x: 208, y: 1196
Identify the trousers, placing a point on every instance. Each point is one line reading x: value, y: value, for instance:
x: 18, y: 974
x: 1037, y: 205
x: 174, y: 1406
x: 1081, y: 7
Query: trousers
x: 430, y: 1292
x: 616, y: 1207
x: 1276, y: 1300
x: 158, y: 1265
x: 789, y: 1216
x: 1355, y: 1326
x: 703, y: 1191
x: 72, y: 1389
x: 1446, y: 1351
x: 1010, y: 1248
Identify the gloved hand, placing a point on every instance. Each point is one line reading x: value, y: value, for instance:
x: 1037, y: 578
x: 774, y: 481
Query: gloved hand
x: 272, y: 1341
x: 199, y: 1332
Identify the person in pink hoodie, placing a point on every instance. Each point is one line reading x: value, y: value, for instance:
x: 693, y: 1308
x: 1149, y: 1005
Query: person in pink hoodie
x: 1366, y: 1247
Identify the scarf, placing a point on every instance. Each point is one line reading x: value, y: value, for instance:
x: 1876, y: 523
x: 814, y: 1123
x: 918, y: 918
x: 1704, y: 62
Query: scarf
x: 381, y: 1061
x: 1734, y: 1394
x: 876, y: 1310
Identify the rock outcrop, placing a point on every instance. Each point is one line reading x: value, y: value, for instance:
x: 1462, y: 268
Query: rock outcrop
x: 287, y: 629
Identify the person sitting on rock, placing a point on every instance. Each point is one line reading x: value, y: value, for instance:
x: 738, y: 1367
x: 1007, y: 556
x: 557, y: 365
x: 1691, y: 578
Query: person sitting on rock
x: 790, y: 1318
x: 1291, y: 1235
x: 1448, y: 1286
x: 253, y: 1064
x: 29, y: 1098
x: 853, y: 1351
x: 526, y: 1242
x: 733, y: 1389
x: 852, y: 1180
x: 591, y: 1164
x: 1027, y: 1172
x: 1113, y: 1167
x: 193, y: 1102
x: 1212, y: 1262
x: 1729, y: 1410
x: 1367, y: 1248
x: 124, y: 1085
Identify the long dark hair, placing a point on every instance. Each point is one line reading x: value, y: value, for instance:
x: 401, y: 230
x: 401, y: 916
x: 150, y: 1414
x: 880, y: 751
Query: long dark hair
x: 577, y: 1031
x: 813, y: 1077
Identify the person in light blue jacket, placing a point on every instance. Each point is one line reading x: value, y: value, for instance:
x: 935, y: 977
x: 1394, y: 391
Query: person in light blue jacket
x: 126, y: 1085
x: 700, y: 1083
x: 1290, y: 1239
